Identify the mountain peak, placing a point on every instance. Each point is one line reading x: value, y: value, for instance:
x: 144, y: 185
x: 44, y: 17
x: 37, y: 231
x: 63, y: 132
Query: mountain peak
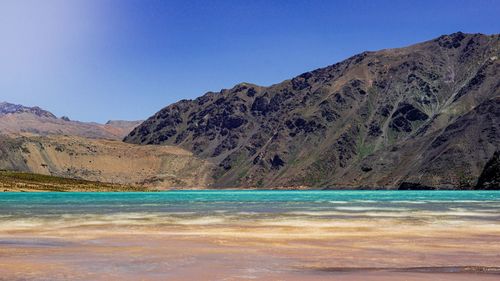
x: 10, y: 108
x: 378, y: 118
x: 16, y: 118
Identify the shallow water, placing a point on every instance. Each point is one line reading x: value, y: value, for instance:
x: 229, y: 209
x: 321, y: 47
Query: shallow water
x: 241, y: 235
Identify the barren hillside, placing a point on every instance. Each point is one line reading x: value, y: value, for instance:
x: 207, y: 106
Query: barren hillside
x: 426, y: 114
x: 104, y: 160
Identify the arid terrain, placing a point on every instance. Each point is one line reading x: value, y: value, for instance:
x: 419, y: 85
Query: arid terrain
x: 426, y: 116
x: 106, y: 161
x: 422, y: 116
x: 36, y: 143
x: 16, y: 118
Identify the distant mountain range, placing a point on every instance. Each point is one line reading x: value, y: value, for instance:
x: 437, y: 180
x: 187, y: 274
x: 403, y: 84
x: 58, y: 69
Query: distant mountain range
x: 423, y: 116
x: 33, y: 140
x: 9, y: 108
x: 21, y: 119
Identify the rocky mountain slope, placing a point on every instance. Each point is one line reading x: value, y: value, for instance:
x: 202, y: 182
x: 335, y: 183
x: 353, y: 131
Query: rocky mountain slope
x: 21, y: 119
x: 107, y: 161
x: 425, y: 115
x: 490, y: 177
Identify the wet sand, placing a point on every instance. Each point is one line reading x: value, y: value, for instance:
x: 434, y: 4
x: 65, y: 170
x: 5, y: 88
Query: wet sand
x: 294, y: 247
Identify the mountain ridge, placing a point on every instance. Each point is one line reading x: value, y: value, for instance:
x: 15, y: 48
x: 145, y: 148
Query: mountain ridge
x: 15, y: 119
x: 10, y: 108
x: 328, y: 127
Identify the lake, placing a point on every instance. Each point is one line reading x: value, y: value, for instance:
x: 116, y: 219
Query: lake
x: 251, y: 235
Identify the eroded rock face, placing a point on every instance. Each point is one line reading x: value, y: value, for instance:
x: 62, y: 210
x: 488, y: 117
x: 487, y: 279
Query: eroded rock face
x: 404, y: 116
x: 104, y: 161
x: 490, y: 177
x: 375, y: 119
x: 451, y: 41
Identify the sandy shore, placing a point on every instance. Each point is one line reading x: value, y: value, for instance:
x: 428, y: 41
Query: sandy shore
x: 285, y: 249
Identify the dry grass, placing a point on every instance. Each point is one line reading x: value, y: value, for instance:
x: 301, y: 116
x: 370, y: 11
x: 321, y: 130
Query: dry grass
x: 19, y: 181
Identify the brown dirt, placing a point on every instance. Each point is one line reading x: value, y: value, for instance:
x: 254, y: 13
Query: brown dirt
x: 105, y: 161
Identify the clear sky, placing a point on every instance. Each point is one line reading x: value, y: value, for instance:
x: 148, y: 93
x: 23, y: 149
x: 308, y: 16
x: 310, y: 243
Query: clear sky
x: 95, y: 60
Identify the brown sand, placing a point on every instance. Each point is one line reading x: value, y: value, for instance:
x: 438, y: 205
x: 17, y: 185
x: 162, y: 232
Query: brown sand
x: 357, y: 249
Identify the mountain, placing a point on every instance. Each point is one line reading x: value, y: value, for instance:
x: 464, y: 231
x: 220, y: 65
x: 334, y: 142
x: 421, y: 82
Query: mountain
x: 9, y: 108
x: 425, y: 115
x: 33, y: 140
x: 21, y: 119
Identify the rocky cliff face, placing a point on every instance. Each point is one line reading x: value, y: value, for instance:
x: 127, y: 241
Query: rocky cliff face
x: 426, y: 114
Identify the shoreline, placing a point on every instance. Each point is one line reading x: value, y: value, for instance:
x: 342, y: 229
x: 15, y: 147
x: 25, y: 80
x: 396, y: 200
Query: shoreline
x: 13, y: 181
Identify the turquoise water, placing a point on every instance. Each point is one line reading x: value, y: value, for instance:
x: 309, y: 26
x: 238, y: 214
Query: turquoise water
x: 268, y: 235
x: 189, y: 204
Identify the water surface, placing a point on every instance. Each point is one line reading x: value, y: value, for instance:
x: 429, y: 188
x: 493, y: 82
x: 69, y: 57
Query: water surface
x: 242, y: 235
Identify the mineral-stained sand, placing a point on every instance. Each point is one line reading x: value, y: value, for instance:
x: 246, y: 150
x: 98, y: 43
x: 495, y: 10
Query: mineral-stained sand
x: 293, y: 248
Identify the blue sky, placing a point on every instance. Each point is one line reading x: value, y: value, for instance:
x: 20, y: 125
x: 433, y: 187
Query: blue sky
x: 95, y: 60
